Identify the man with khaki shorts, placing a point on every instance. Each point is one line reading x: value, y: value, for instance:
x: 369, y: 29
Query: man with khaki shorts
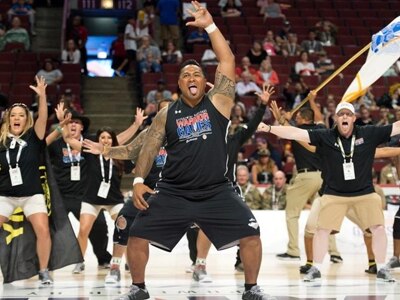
x: 347, y: 154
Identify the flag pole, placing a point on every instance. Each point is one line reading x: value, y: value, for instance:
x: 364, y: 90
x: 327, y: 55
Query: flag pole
x: 333, y: 75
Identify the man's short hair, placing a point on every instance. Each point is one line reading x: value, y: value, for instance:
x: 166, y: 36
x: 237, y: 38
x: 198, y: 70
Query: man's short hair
x: 192, y: 62
x: 307, y: 113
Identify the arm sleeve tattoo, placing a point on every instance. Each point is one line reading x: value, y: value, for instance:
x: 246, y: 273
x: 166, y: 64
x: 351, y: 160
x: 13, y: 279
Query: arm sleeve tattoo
x: 223, y: 85
x: 130, y: 151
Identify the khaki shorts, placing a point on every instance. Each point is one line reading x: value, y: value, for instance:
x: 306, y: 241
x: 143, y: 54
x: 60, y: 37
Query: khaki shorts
x: 30, y: 205
x: 93, y: 209
x: 367, y: 208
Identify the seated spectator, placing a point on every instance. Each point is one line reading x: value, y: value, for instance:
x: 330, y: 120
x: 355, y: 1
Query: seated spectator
x: 256, y: 53
x: 250, y: 193
x: 51, y: 74
x: 364, y: 117
x: 311, y: 45
x: 22, y: 8
x: 270, y: 45
x: 266, y: 74
x: 246, y: 86
x: 283, y: 33
x: 385, y: 117
x: 161, y: 92
x: 304, y: 67
x: 326, y: 32
x: 389, y: 174
x: 324, y: 65
x: 329, y: 111
x: 230, y: 9
x: 209, y: 58
x: 263, y: 168
x: 16, y: 34
x: 290, y: 47
x: 251, y: 112
x: 293, y: 98
x: 118, y: 54
x: 272, y: 10
x: 239, y: 113
x: 171, y: 55
x: 275, y: 195
x: 148, y: 56
x: 262, y: 144
x: 198, y: 36
x: 71, y: 54
x: 245, y: 67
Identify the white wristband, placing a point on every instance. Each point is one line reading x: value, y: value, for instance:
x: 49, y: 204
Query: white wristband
x: 211, y: 28
x: 138, y: 180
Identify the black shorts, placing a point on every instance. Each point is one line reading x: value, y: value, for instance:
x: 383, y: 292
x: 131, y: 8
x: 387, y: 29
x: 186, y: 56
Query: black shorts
x: 224, y: 218
x: 123, y: 222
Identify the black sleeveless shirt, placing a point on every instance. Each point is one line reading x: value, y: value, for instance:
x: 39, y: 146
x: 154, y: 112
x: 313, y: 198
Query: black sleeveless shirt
x: 196, y: 141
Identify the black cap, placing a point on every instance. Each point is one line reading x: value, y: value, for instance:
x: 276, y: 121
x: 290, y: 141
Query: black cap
x: 85, y: 120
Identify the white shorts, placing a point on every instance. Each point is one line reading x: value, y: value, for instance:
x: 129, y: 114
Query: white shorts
x: 29, y: 204
x: 94, y: 209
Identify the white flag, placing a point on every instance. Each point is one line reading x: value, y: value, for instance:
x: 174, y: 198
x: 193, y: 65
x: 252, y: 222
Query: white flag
x: 383, y: 53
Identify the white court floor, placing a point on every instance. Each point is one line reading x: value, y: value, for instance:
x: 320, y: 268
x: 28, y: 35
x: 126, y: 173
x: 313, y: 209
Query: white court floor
x: 167, y: 280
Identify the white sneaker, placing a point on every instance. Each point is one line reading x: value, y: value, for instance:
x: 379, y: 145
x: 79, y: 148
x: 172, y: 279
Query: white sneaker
x: 113, y: 277
x: 79, y: 268
x: 200, y: 274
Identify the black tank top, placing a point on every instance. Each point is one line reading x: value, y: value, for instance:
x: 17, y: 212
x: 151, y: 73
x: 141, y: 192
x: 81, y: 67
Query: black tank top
x: 196, y: 162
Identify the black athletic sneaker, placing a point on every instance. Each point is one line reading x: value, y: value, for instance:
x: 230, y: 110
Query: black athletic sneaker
x: 135, y: 293
x: 312, y: 275
x: 336, y: 259
x: 304, y: 269
x: 384, y: 275
x: 285, y: 256
x: 371, y: 269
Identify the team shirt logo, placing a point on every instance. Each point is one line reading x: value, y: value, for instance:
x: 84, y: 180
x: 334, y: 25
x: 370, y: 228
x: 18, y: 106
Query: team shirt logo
x: 161, y: 158
x: 190, y: 128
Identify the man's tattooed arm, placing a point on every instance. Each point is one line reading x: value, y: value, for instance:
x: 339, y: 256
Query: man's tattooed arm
x: 129, y: 151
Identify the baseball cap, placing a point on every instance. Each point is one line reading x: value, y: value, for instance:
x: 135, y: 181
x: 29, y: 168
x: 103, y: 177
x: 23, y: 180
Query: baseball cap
x: 345, y: 105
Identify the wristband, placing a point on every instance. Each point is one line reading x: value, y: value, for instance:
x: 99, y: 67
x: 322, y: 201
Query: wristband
x: 59, y: 129
x: 269, y: 128
x: 138, y: 180
x: 211, y: 28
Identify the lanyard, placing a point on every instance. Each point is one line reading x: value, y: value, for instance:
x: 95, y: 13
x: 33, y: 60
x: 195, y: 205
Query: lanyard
x: 353, y: 139
x: 102, y: 169
x: 77, y: 157
x: 18, y: 154
x: 247, y: 190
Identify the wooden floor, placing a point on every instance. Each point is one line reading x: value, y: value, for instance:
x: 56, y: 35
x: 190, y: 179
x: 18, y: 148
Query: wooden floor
x: 166, y: 278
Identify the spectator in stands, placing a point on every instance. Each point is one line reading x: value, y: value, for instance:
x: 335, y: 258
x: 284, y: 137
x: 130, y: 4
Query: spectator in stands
x: 291, y: 47
x: 16, y: 34
x: 247, y: 87
x: 266, y: 74
x: 304, y: 67
x: 71, y: 101
x: 197, y: 36
x: 230, y: 9
x: 160, y: 92
x: 394, y: 70
x: 145, y: 18
x: 79, y: 34
x: 262, y: 144
x: 245, y: 67
x: 171, y: 55
x: 364, y: 117
x: 389, y: 174
x: 301, y: 91
x: 263, y: 168
x: 274, y: 196
x: 324, y: 65
x: 256, y: 53
x: 329, y: 111
x: 385, y: 117
x: 311, y: 45
x: 209, y: 58
x: 22, y: 8
x: 270, y: 45
x: 250, y: 193
x: 326, y: 32
x: 239, y: 112
x: 130, y: 46
x: 148, y: 56
x: 391, y: 99
x: 168, y: 11
x: 283, y: 33
x: 222, y: 3
x: 51, y: 74
x: 71, y: 54
x: 368, y: 99
x: 272, y: 10
x: 118, y: 53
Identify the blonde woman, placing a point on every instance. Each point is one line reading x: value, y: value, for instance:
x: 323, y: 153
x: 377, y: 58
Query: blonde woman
x: 21, y: 143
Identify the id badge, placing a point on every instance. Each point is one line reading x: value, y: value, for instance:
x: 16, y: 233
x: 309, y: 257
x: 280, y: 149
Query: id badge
x: 75, y: 173
x: 15, y: 176
x: 348, y: 171
x: 103, y: 189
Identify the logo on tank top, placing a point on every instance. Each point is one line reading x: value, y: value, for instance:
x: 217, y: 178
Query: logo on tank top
x: 190, y: 128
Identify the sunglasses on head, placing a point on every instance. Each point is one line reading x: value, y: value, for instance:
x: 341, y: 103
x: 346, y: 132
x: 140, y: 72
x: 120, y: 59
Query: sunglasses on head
x: 19, y: 104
